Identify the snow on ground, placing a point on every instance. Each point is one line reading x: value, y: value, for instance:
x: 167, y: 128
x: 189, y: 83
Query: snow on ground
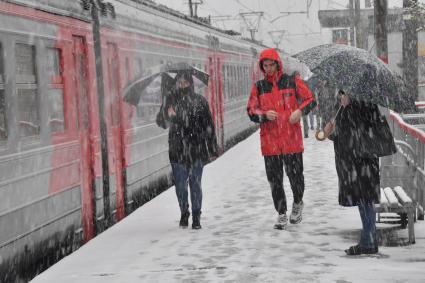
x: 237, y: 242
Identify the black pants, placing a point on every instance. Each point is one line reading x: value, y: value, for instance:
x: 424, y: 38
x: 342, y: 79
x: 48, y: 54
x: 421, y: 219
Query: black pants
x: 293, y: 164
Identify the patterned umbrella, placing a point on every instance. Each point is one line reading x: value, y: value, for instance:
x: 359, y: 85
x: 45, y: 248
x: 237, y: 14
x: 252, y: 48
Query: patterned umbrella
x: 362, y: 75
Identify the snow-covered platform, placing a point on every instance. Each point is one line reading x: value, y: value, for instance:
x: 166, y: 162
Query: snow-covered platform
x: 237, y: 242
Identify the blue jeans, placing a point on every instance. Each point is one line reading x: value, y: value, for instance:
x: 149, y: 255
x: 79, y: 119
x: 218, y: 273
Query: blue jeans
x: 368, y: 216
x: 182, y: 176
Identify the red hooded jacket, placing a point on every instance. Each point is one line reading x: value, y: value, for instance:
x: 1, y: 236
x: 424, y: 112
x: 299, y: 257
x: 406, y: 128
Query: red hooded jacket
x: 284, y: 94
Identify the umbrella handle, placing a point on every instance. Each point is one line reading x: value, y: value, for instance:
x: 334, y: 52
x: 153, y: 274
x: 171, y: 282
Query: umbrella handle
x: 320, y: 135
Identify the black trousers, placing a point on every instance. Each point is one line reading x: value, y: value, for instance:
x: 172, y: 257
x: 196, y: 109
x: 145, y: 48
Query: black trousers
x: 293, y: 164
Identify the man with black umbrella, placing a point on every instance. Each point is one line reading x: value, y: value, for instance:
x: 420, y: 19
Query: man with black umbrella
x: 277, y: 102
x: 192, y: 143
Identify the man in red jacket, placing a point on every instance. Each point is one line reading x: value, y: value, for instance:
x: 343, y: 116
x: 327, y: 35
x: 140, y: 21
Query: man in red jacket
x: 277, y: 102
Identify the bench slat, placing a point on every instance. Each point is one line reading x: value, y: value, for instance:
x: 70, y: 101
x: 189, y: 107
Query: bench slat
x: 383, y: 200
x: 392, y: 199
x: 402, y: 196
x: 397, y: 201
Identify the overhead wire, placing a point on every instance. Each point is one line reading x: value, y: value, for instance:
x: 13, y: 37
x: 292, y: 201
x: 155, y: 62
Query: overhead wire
x: 251, y: 10
x: 233, y: 18
x: 336, y: 3
x: 268, y: 18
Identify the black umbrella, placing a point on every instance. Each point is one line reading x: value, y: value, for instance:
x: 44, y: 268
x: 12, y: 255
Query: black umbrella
x: 134, y: 89
x: 362, y: 75
x: 182, y: 66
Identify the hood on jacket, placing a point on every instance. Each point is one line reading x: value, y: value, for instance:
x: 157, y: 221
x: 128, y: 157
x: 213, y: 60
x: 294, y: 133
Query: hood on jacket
x: 271, y: 54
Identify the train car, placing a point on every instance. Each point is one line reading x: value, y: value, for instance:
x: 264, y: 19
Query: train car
x: 144, y: 39
x: 45, y: 185
x: 74, y: 157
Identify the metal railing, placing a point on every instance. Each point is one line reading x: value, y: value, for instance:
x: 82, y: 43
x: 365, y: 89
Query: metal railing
x: 406, y: 167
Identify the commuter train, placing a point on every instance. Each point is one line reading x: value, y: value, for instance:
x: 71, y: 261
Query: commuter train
x: 74, y: 157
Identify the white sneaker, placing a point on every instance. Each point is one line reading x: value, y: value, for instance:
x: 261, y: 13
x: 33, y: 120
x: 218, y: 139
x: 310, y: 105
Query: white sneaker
x: 296, y: 214
x: 282, y: 222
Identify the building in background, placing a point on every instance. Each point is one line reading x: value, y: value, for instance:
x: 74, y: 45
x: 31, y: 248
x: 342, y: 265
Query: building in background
x: 340, y: 36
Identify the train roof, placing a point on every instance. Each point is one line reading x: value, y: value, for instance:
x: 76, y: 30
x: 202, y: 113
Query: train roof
x: 69, y: 8
x: 141, y: 16
x: 199, y: 21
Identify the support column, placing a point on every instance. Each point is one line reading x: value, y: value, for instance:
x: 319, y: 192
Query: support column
x: 410, y: 51
x: 380, y: 23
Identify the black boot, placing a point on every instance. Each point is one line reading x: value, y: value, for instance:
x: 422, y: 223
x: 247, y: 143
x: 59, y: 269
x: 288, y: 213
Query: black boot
x: 196, y: 222
x: 358, y: 250
x: 184, y: 220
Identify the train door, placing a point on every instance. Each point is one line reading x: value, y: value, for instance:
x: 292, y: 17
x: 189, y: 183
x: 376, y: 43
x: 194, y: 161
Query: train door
x: 113, y: 111
x: 83, y: 127
x: 216, y: 99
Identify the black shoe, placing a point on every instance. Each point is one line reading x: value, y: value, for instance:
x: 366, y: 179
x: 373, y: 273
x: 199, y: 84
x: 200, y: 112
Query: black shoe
x: 358, y: 250
x: 196, y: 222
x: 184, y: 220
x: 305, y: 136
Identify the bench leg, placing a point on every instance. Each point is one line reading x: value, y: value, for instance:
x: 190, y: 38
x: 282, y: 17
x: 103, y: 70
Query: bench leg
x: 411, y: 226
x: 420, y: 212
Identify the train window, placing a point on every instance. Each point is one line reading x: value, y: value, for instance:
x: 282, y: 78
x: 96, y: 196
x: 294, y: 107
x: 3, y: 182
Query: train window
x: 239, y: 85
x: 251, y: 75
x: 138, y: 67
x: 1, y: 65
x: 223, y: 77
x: 150, y: 102
x: 149, y: 65
x: 83, y: 102
x: 241, y: 82
x: 53, y: 68
x: 127, y: 69
x: 233, y: 82
x: 228, y: 89
x: 243, y: 85
x: 26, y: 86
x: 27, y: 112
x: 3, y: 131
x: 229, y: 83
x: 246, y: 81
x: 55, y: 92
x: 200, y: 87
x: 113, y: 85
x: 25, y: 63
x: 150, y: 99
x: 56, y: 117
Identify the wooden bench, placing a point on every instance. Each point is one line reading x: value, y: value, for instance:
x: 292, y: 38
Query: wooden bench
x: 395, y: 200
